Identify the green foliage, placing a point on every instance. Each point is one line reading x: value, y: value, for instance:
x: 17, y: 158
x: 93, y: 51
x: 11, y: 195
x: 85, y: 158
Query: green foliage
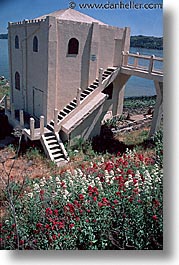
x: 147, y: 42
x: 138, y: 102
x: 109, y: 203
x: 3, y: 36
x: 158, y: 141
x: 33, y: 153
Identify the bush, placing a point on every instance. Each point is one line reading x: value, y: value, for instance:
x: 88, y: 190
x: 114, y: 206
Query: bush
x: 111, y: 203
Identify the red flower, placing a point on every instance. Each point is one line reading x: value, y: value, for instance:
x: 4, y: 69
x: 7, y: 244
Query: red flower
x: 56, y: 212
x: 105, y: 201
x: 21, y: 242
x: 100, y: 204
x: 47, y: 226
x: 42, y: 192
x: 87, y: 221
x: 141, y: 157
x: 49, y: 211
x: 154, y: 217
x: 71, y: 226
x: 60, y: 225
x: 81, y: 197
x: 115, y: 201
x: 39, y: 225
x: 54, y: 237
x: 77, y: 218
x: 95, y: 198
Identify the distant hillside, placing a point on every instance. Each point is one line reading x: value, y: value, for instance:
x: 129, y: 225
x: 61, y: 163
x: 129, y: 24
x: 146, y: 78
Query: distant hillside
x: 3, y: 36
x: 147, y: 42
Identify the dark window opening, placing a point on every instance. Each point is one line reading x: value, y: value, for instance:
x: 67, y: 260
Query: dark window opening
x: 35, y: 44
x: 16, y: 42
x: 73, y: 46
x: 17, y: 80
x: 109, y: 91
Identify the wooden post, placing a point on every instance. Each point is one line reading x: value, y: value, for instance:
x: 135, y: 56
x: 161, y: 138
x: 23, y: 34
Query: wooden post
x: 32, y: 127
x: 151, y: 63
x: 78, y: 96
x: 136, y: 60
x: 21, y: 114
x: 41, y: 125
x: 55, y: 119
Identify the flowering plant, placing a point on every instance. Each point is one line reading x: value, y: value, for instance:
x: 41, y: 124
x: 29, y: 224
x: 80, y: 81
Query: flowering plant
x: 110, y: 203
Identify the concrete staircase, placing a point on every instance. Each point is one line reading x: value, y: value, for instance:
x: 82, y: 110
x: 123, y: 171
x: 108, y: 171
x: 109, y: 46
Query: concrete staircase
x: 51, y: 141
x: 62, y: 115
x: 54, y: 148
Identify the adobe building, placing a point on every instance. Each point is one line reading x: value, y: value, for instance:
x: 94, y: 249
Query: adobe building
x: 65, y: 73
x: 54, y: 55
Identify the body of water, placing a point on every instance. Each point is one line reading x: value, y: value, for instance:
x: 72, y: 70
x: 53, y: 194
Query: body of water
x: 135, y: 87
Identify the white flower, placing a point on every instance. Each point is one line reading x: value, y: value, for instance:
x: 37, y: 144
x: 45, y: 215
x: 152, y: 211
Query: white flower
x: 30, y: 194
x: 36, y: 187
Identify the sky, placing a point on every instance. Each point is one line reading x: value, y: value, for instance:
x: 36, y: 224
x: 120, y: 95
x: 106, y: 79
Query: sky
x: 147, y: 22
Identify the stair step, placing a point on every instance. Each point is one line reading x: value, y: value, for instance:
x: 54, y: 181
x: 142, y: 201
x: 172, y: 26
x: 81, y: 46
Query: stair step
x: 53, y: 141
x: 82, y: 96
x: 60, y: 117
x: 58, y: 156
x: 73, y: 104
x: 70, y: 107
x: 62, y: 113
x: 50, y: 137
x: 48, y: 134
x: 53, y: 147
x: 89, y: 89
x: 105, y: 75
x: 50, y: 127
x: 59, y: 160
x: 56, y: 152
x: 66, y: 110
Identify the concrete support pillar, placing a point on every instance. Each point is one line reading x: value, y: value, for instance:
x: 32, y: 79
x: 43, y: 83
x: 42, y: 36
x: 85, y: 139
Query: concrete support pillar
x: 32, y: 128
x: 78, y: 96
x: 117, y: 59
x: 21, y: 114
x: 12, y: 111
x: 94, y: 52
x: 125, y: 58
x: 41, y: 125
x: 151, y: 63
x: 158, y: 111
x: 55, y: 119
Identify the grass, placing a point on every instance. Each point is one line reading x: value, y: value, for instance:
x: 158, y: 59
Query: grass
x: 134, y: 138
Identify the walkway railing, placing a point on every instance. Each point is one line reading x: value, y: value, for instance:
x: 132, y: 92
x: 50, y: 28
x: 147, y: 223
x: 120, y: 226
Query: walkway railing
x: 142, y: 62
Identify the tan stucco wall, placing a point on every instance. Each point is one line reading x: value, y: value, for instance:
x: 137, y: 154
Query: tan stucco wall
x: 32, y: 66
x: 50, y: 77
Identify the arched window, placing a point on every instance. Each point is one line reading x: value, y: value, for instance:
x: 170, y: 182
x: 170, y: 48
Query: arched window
x: 73, y: 46
x: 109, y: 91
x: 35, y: 44
x: 16, y: 42
x: 17, y: 80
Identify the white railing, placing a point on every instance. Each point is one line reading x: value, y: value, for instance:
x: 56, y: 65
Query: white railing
x: 149, y: 61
